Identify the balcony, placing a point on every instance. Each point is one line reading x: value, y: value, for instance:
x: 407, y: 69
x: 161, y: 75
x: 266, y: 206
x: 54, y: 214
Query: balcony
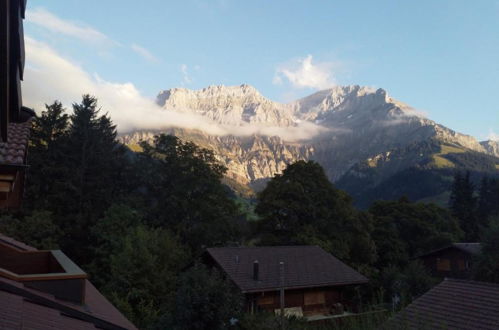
x: 51, y: 272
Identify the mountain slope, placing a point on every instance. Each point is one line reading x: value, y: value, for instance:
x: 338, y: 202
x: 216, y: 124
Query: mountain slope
x: 346, y: 128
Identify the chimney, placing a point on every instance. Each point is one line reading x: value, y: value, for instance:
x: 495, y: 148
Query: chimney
x: 256, y: 270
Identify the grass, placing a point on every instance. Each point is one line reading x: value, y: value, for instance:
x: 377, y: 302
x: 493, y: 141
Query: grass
x: 134, y: 147
x: 439, y: 159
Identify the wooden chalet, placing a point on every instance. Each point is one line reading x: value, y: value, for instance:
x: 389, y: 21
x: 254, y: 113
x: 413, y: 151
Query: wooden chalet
x: 46, y: 290
x: 15, y: 120
x: 453, y: 304
x: 313, y: 281
x: 454, y: 260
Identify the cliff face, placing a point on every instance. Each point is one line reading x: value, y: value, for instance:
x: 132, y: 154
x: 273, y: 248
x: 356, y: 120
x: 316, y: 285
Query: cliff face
x: 228, y: 105
x: 492, y: 147
x: 346, y: 125
x: 249, y: 159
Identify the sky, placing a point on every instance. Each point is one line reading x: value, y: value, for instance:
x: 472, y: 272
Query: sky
x: 439, y: 56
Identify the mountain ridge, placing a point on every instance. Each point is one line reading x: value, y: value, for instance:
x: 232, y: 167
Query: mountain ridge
x: 351, y: 124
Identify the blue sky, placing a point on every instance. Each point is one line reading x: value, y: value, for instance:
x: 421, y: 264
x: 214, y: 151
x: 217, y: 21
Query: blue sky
x: 441, y: 57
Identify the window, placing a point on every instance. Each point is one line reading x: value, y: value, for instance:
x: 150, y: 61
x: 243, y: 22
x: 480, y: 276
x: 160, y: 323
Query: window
x: 314, y: 298
x: 461, y: 265
x: 443, y: 264
x: 266, y: 300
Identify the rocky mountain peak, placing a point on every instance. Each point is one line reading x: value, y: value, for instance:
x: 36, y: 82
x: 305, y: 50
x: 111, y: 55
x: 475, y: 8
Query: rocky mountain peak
x: 228, y: 105
x: 346, y: 125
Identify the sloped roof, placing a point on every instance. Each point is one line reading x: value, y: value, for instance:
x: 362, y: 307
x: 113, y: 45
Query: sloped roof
x: 453, y: 304
x: 471, y: 248
x: 304, y: 267
x: 12, y: 242
x: 26, y: 308
x: 13, y: 152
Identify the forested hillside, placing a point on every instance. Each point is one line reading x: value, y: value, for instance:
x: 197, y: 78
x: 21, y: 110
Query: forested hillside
x: 139, y: 222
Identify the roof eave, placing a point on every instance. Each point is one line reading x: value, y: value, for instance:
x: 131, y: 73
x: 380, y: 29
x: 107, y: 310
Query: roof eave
x: 298, y: 287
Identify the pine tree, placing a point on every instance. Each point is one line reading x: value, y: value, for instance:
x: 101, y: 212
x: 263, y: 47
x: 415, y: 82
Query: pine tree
x: 94, y: 167
x: 488, y: 201
x: 50, y: 126
x: 46, y: 157
x: 463, y: 204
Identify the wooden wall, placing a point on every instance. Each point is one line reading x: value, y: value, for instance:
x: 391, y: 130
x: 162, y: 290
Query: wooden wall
x: 12, y: 57
x: 312, y: 301
x: 450, y: 262
x: 23, y: 263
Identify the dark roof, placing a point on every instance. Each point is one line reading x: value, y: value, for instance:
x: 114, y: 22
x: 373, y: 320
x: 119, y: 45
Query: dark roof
x: 304, y: 267
x: 22, y: 307
x: 470, y: 248
x: 12, y: 242
x: 13, y: 152
x: 453, y: 304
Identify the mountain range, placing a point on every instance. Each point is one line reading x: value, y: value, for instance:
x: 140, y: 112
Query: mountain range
x: 369, y: 143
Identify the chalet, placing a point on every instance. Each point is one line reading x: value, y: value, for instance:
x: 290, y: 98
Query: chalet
x: 454, y: 260
x: 46, y: 290
x: 15, y: 120
x: 313, y: 282
x: 453, y: 304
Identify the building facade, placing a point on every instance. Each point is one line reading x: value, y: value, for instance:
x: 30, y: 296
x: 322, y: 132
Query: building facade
x: 313, y: 283
x: 454, y: 261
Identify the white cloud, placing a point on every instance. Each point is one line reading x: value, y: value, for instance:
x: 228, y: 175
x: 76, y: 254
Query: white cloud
x: 304, y: 73
x: 51, y: 22
x: 186, y: 78
x: 493, y: 136
x: 145, y: 53
x: 51, y: 77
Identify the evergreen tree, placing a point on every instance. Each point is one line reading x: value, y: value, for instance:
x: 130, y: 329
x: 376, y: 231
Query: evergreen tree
x: 486, y: 267
x: 488, y: 200
x: 463, y: 203
x: 50, y: 126
x: 78, y: 169
x: 46, y: 156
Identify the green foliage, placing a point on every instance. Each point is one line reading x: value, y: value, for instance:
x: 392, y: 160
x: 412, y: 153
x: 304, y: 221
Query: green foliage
x: 302, y: 206
x: 403, y: 230
x: 486, y: 267
x: 50, y: 126
x: 488, y: 201
x: 421, y: 171
x: 108, y: 235
x: 37, y: 229
x: 402, y: 285
x: 136, y: 221
x: 204, y: 300
x: 178, y: 175
x: 78, y: 168
x: 144, y: 272
x: 46, y: 157
x: 270, y: 321
x: 463, y: 204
